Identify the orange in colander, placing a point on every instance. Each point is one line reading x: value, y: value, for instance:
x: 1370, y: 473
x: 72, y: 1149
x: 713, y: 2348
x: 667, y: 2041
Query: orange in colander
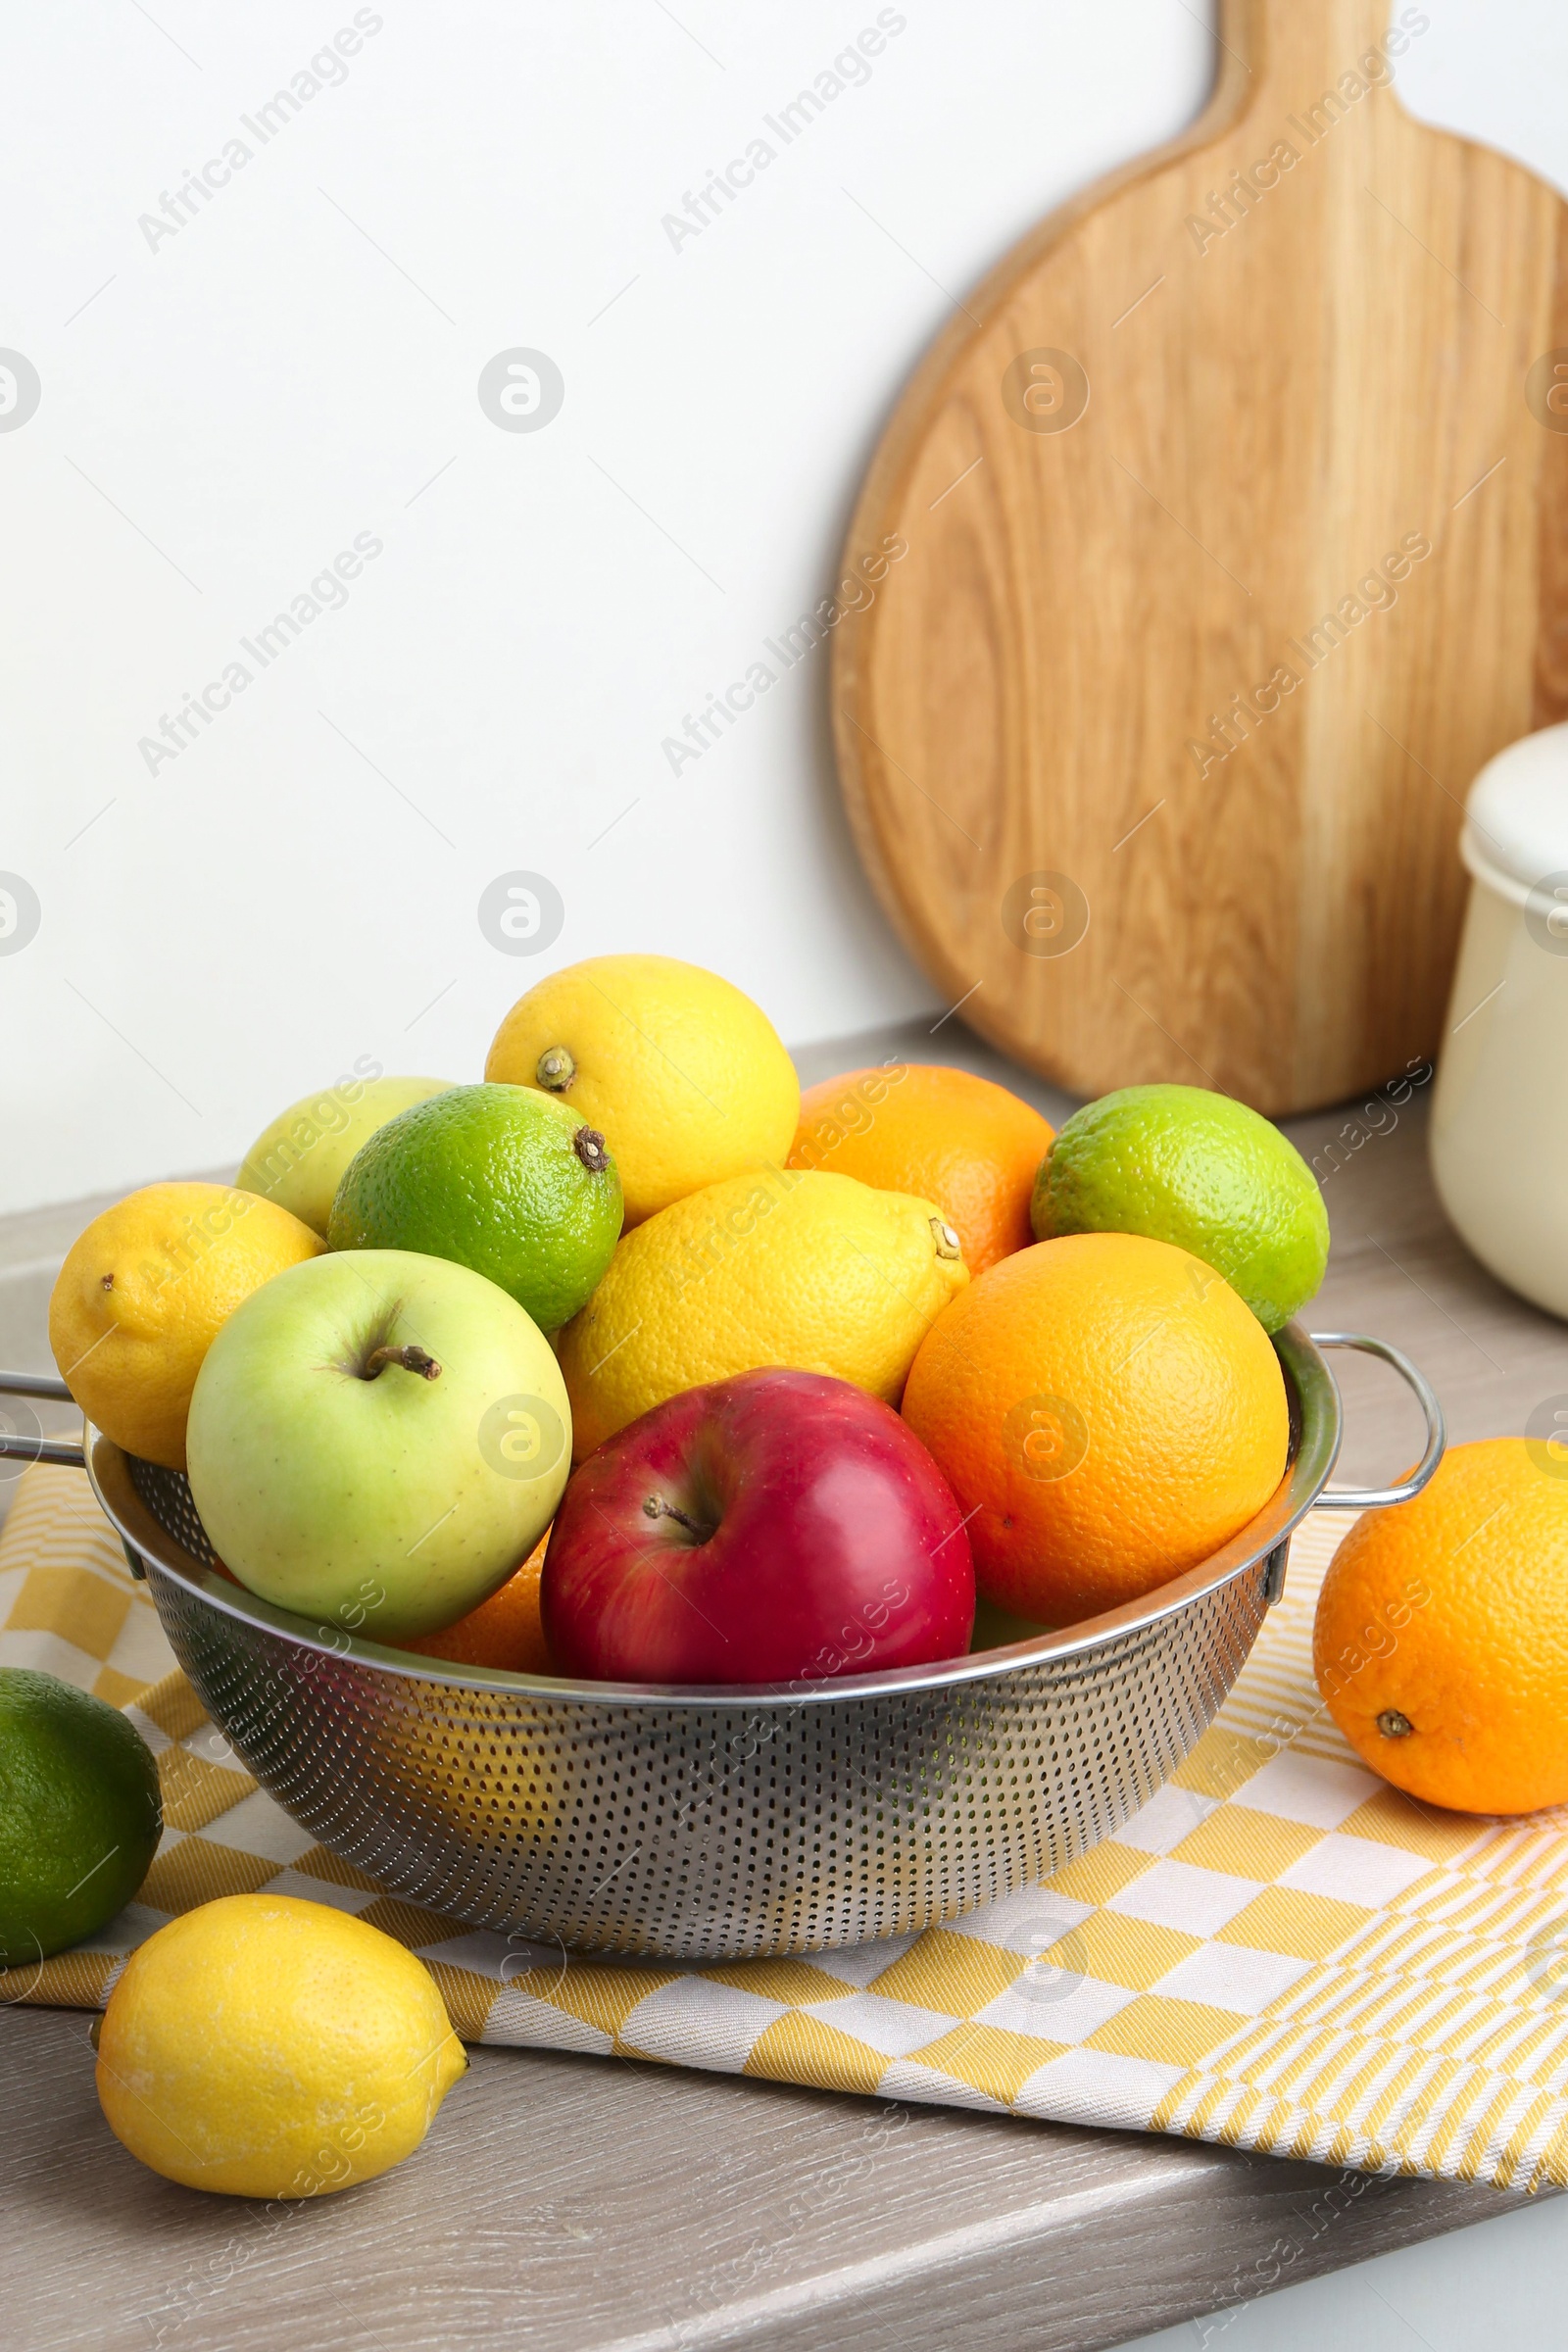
x: 1107, y: 1410
x: 943, y: 1135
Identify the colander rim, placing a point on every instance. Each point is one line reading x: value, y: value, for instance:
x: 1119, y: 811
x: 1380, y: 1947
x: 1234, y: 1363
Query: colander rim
x: 1316, y: 1426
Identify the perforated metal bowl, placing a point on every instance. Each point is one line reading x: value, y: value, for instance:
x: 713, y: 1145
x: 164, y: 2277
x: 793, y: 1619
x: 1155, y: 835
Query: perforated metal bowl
x: 724, y: 1823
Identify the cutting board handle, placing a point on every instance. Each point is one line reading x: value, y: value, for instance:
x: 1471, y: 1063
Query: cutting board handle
x: 1293, y: 53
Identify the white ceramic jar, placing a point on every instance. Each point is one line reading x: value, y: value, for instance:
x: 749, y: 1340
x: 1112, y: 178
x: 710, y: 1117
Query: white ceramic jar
x: 1499, y: 1111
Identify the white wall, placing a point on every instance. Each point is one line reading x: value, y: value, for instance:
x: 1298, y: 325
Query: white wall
x: 224, y: 409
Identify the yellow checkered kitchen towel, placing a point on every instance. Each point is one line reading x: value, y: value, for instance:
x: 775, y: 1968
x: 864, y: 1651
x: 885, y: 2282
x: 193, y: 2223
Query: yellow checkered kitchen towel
x: 1278, y: 1951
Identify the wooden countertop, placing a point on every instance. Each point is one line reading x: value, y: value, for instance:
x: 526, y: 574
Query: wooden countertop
x: 582, y: 2205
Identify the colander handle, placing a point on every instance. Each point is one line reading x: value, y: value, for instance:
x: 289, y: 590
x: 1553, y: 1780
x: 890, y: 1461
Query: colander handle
x: 20, y: 1444
x: 1370, y: 1499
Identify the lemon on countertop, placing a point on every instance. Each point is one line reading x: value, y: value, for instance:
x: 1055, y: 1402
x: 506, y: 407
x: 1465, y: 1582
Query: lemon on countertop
x: 778, y: 1267
x: 683, y: 1075
x: 268, y: 2047
x: 143, y: 1294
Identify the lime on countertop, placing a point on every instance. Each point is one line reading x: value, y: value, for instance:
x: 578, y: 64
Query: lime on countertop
x: 80, y: 1814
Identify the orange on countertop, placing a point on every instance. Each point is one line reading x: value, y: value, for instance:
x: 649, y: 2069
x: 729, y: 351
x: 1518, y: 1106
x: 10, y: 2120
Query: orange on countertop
x: 1109, y: 1410
x: 1441, y: 1643
x: 943, y: 1135
x: 505, y: 1632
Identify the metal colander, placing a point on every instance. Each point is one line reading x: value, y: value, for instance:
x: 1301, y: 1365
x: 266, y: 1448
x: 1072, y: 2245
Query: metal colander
x: 726, y: 1824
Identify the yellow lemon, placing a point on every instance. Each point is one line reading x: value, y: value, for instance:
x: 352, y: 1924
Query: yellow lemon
x: 267, y: 2047
x: 778, y: 1266
x: 143, y: 1293
x: 683, y: 1075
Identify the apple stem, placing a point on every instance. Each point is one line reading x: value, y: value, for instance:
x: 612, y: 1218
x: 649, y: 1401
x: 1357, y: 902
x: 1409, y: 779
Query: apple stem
x: 657, y: 1508
x: 413, y: 1359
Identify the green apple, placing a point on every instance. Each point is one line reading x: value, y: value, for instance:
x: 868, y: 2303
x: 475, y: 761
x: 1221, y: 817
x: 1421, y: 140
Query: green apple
x: 299, y: 1159
x: 377, y: 1441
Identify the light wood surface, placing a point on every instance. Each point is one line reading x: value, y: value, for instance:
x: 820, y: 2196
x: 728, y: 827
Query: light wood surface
x: 583, y: 2205
x: 1325, y: 368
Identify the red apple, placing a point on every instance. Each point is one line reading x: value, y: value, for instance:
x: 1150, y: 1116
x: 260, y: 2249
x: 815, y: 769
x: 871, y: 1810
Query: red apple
x: 781, y: 1527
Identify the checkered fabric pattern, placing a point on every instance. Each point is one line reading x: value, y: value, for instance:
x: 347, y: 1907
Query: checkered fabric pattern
x: 1278, y: 1952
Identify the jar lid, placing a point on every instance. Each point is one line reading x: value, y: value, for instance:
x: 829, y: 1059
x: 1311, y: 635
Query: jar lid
x: 1515, y: 834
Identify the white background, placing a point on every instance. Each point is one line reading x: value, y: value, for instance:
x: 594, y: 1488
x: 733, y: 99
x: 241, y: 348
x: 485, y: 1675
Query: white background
x: 222, y: 414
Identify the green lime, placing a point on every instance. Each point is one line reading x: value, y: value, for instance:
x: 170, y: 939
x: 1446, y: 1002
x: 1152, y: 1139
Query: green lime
x: 498, y: 1178
x: 1184, y: 1165
x: 80, y: 1814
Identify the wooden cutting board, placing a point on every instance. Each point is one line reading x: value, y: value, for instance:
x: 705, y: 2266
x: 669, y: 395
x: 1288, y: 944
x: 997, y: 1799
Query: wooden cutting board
x: 1236, y: 509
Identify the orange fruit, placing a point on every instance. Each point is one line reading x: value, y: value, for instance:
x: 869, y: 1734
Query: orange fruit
x: 143, y: 1294
x: 943, y: 1135
x: 506, y: 1630
x: 1440, y: 1644
x: 1110, y: 1412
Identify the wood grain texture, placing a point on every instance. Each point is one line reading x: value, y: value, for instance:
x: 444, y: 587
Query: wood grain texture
x: 585, y: 2205
x: 576, y: 2205
x: 1176, y: 615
